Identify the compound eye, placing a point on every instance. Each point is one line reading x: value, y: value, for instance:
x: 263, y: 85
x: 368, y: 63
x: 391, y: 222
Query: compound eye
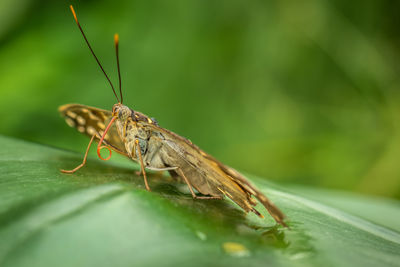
x: 114, y: 109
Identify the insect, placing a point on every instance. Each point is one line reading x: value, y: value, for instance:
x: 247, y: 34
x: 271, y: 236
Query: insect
x: 140, y: 138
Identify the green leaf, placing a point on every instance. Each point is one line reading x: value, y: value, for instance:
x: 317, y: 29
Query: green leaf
x: 103, y: 216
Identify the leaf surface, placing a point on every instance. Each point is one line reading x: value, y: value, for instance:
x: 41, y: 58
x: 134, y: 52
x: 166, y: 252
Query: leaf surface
x: 103, y: 216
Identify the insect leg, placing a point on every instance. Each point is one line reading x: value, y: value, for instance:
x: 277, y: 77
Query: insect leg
x: 84, y: 158
x: 191, y: 188
x: 142, y: 164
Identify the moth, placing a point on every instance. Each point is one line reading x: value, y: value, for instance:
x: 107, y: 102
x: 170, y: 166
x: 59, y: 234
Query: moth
x: 140, y: 138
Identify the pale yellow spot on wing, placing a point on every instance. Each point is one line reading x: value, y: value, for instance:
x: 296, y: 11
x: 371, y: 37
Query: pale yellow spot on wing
x: 70, y: 122
x: 92, y: 116
x: 81, y: 129
x: 85, y: 110
x: 149, y: 120
x: 80, y: 120
x: 90, y: 130
x: 101, y: 125
x: 71, y: 114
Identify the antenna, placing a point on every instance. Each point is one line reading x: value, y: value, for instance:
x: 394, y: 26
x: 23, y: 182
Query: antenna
x: 116, y: 42
x: 91, y: 50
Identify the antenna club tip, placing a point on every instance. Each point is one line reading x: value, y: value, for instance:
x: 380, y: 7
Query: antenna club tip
x: 116, y: 38
x: 73, y: 12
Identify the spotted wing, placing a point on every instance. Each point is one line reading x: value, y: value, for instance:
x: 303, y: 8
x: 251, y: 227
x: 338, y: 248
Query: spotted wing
x: 90, y: 120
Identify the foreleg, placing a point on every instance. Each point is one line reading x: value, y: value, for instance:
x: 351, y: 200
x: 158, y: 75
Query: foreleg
x: 139, y: 150
x: 84, y: 158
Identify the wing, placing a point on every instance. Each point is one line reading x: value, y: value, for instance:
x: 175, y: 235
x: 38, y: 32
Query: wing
x: 209, y: 176
x: 90, y: 120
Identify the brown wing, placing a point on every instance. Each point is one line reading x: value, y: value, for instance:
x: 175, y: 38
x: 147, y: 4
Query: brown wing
x: 273, y: 210
x: 90, y: 120
x: 209, y: 176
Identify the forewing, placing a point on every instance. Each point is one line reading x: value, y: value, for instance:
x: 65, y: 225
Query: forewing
x: 218, y: 176
x: 90, y: 120
x: 273, y: 210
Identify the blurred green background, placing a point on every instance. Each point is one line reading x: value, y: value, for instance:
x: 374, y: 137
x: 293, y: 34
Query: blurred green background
x: 303, y: 92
